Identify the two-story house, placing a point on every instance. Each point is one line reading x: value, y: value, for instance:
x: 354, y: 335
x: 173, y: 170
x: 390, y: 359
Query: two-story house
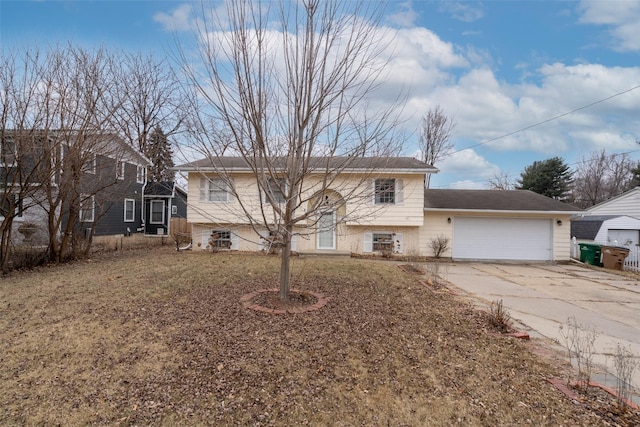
x: 374, y: 205
x: 98, y: 179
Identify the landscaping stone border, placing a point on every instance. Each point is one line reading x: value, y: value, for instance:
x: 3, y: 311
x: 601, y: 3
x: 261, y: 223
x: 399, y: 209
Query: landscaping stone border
x: 247, y: 302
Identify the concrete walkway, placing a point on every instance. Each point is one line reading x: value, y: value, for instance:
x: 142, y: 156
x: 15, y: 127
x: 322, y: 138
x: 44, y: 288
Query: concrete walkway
x: 542, y: 297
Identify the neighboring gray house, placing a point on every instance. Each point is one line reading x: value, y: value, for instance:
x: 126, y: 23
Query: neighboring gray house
x: 162, y: 201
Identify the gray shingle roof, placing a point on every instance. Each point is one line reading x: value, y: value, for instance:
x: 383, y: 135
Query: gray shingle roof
x: 164, y: 188
x: 408, y: 164
x: 587, y: 227
x: 493, y: 200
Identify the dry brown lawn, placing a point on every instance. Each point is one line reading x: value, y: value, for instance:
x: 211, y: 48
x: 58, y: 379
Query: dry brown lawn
x: 161, y: 338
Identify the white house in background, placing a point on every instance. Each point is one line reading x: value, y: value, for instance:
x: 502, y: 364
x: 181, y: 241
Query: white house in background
x: 627, y: 203
x: 609, y: 230
x: 400, y: 217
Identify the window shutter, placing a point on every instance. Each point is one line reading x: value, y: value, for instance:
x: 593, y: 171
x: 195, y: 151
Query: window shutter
x: 235, y: 241
x: 205, y: 238
x: 368, y: 243
x: 398, y: 245
x: 263, y: 243
x: 294, y: 242
x: 371, y: 192
x: 399, y: 192
x: 203, y: 190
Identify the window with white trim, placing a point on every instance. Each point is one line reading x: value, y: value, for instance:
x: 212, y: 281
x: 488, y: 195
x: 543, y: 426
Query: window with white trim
x: 385, y: 191
x: 220, y: 239
x: 87, y: 208
x: 90, y: 164
x: 129, y: 210
x: 277, y: 188
x: 9, y: 202
x: 157, y: 212
x: 7, y: 155
x: 120, y: 170
x: 141, y: 173
x: 382, y: 241
x: 214, y: 190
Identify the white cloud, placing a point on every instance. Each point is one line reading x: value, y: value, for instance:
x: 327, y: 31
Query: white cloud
x: 406, y: 17
x: 464, y: 12
x: 622, y: 17
x: 467, y: 163
x: 178, y: 20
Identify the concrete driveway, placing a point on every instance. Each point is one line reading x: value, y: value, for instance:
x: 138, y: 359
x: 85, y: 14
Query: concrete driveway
x: 542, y: 297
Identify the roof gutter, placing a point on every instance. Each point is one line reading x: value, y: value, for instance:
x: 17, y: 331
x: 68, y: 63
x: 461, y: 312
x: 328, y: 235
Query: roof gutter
x: 318, y: 171
x: 502, y: 211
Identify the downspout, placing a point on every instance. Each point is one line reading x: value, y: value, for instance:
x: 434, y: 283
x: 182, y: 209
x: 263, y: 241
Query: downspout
x: 143, y: 207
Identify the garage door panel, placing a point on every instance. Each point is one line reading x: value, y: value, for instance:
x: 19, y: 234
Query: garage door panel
x: 502, y: 239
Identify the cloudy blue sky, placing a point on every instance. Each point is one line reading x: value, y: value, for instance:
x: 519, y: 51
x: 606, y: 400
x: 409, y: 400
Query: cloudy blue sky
x: 524, y: 80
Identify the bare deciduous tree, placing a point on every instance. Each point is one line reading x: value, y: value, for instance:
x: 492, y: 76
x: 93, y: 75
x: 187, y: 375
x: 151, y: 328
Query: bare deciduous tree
x: 150, y: 96
x: 287, y: 88
x: 502, y: 181
x: 435, y: 135
x: 601, y: 176
x: 57, y: 122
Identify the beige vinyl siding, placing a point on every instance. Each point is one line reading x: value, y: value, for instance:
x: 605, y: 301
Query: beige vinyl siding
x: 435, y: 224
x: 408, y: 212
x: 360, y: 206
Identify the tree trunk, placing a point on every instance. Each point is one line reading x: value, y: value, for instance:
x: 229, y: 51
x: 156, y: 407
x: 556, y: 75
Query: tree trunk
x: 285, y: 269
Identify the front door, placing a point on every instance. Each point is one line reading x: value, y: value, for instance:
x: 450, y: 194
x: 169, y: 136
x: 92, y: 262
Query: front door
x: 326, y: 237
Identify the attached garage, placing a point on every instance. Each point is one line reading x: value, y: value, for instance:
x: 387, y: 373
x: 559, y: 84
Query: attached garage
x: 502, y: 238
x: 510, y: 225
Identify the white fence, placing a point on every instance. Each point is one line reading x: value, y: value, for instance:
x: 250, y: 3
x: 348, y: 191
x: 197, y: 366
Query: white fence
x: 632, y: 262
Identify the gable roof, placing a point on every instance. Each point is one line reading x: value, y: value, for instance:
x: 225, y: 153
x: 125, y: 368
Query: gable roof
x: 159, y: 189
x: 106, y: 143
x: 587, y: 227
x: 493, y: 200
x: 614, y: 199
x: 386, y: 164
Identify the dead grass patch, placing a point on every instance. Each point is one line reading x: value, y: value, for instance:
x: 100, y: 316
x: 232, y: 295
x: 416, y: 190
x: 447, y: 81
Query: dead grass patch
x: 160, y: 337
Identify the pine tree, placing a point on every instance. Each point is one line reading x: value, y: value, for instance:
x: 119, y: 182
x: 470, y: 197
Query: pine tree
x: 551, y: 177
x: 161, y: 156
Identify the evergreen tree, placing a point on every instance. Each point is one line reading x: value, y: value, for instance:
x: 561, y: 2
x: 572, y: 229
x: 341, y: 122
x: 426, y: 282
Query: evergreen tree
x: 551, y: 178
x: 159, y: 151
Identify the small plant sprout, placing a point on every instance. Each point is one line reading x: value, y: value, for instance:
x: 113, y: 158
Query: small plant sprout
x: 580, y: 344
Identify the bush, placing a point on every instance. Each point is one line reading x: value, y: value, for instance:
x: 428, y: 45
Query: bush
x: 439, y: 245
x: 499, y: 316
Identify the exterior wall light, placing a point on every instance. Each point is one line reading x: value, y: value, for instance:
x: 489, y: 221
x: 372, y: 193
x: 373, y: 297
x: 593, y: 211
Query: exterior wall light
x: 559, y: 222
x: 449, y: 220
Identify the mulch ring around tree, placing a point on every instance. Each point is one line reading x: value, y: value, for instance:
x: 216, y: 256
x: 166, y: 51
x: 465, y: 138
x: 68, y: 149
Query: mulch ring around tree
x: 268, y: 301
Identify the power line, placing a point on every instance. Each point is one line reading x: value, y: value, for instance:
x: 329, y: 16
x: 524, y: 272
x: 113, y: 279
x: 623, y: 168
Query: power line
x: 547, y: 120
x: 510, y: 175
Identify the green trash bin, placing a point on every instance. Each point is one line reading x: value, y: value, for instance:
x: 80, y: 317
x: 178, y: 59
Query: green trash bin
x: 591, y: 253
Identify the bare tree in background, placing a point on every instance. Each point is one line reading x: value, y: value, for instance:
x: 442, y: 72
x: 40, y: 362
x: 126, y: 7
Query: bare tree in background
x: 601, y: 176
x: 435, y: 135
x: 289, y: 88
x: 57, y: 121
x: 150, y: 96
x: 502, y: 181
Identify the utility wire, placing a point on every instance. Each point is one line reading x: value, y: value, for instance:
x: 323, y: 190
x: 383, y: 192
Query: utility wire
x: 547, y: 120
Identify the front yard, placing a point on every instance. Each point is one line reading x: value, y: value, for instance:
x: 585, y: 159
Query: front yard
x: 160, y: 337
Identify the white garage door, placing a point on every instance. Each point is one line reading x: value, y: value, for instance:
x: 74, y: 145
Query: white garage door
x: 502, y: 239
